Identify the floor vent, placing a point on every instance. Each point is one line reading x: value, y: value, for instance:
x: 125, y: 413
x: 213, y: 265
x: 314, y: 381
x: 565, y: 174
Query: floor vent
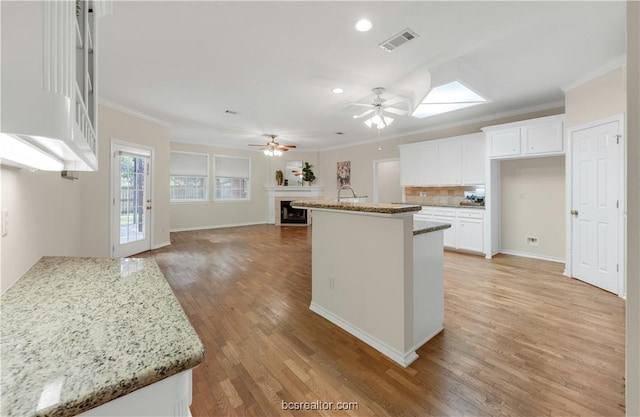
x: 397, y: 40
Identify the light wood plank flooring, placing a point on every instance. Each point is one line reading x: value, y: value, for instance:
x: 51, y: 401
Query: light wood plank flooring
x: 519, y: 340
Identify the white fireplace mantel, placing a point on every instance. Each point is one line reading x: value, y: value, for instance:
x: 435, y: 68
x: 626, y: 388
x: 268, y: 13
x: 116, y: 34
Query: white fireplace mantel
x: 294, y: 192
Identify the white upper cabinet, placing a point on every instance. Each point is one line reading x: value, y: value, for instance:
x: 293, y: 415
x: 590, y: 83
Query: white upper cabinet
x: 450, y: 161
x: 543, y: 138
x: 459, y: 160
x: 49, y: 77
x: 504, y: 142
x: 419, y: 164
x: 535, y: 137
x: 474, y: 155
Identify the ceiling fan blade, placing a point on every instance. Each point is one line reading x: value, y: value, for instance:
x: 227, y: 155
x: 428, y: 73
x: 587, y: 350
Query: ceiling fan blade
x: 287, y: 146
x: 364, y: 114
x: 394, y: 100
x: 256, y: 145
x: 393, y: 110
x: 359, y: 104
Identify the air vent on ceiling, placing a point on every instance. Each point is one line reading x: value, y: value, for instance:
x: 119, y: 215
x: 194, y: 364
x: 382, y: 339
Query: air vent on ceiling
x: 397, y: 40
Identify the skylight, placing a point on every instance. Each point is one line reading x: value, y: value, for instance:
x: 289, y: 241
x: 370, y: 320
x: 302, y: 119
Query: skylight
x: 448, y: 97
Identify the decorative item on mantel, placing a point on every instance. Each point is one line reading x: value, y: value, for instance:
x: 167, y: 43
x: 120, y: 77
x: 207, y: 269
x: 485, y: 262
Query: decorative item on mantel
x: 279, y: 177
x: 307, y: 174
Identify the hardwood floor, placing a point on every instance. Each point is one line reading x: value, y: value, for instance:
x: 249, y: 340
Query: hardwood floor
x: 519, y: 340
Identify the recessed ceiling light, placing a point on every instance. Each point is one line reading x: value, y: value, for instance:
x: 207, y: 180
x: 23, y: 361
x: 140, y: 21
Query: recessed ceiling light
x: 337, y: 90
x: 363, y: 25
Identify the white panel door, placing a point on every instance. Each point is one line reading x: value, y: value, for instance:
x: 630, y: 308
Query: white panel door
x: 131, y: 205
x: 595, y: 216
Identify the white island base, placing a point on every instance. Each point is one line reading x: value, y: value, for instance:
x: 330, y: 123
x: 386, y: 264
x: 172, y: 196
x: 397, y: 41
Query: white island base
x: 374, y: 278
x: 168, y: 397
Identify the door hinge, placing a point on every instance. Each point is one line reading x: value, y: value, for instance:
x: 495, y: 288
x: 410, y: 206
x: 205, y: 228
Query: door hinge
x: 617, y: 203
x: 617, y: 268
x: 114, y: 201
x: 618, y: 139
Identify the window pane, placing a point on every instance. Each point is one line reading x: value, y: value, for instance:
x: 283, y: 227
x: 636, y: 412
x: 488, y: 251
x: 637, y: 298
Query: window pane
x: 188, y: 188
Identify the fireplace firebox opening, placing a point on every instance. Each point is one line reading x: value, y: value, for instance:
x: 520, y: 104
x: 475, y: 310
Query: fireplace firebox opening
x: 290, y: 215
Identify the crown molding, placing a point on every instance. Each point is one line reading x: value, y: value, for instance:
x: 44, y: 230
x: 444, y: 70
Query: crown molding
x: 615, y: 63
x: 132, y: 112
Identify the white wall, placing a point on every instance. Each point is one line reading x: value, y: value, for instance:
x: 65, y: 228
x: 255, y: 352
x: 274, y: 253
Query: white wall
x: 633, y: 212
x: 533, y: 204
x: 189, y: 216
x: 94, y: 200
x: 44, y: 213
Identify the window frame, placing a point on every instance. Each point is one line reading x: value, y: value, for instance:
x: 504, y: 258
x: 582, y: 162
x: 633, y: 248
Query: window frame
x: 214, y: 183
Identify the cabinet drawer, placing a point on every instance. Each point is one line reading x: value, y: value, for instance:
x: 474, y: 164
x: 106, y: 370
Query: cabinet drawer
x: 427, y: 211
x: 422, y: 217
x: 471, y: 214
x: 444, y: 212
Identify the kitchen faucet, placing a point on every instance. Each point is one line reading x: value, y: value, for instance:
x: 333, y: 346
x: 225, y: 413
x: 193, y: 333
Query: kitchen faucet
x: 347, y: 187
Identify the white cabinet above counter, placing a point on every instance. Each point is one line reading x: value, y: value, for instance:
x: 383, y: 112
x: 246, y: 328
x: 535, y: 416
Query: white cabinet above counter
x: 536, y: 137
x: 451, y: 161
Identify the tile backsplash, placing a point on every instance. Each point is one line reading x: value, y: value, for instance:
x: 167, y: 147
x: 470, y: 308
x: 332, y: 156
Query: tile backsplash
x: 437, y: 196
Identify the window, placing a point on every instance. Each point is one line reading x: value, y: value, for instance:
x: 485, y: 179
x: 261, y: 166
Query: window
x: 188, y: 176
x: 232, y: 176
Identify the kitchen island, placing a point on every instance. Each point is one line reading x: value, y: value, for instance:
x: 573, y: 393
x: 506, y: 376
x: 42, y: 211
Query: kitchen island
x: 377, y: 274
x: 95, y: 336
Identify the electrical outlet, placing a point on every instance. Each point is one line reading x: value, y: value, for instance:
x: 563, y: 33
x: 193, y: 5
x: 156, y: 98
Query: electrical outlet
x: 532, y: 241
x: 332, y: 283
x: 5, y: 222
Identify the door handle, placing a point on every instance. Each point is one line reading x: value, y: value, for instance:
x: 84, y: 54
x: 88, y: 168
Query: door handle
x: 148, y: 207
x: 574, y: 213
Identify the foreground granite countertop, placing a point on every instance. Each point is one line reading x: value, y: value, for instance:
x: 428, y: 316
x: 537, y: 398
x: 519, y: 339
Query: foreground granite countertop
x: 362, y: 207
x: 423, y: 226
x: 79, y: 332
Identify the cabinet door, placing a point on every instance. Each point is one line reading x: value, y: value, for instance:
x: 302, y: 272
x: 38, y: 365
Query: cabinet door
x: 544, y: 138
x: 429, y: 168
x: 409, y: 166
x: 504, y: 142
x: 471, y: 234
x: 449, y: 234
x: 474, y: 155
x: 450, y: 162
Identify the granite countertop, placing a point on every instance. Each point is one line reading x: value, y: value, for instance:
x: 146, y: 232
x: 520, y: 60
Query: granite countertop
x: 423, y: 226
x: 79, y: 332
x: 362, y: 207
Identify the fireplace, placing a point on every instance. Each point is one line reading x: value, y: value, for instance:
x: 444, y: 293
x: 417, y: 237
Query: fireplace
x: 290, y: 215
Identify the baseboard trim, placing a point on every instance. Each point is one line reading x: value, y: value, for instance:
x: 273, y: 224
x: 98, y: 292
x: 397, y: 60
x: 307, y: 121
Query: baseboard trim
x: 532, y: 256
x: 217, y: 226
x: 402, y: 359
x: 161, y: 245
x: 429, y: 337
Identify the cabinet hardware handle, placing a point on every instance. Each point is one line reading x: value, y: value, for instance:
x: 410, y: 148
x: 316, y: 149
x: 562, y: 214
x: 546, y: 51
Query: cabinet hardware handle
x: 574, y: 213
x: 148, y: 207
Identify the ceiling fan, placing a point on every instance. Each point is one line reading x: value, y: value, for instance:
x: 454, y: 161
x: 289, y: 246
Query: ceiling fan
x: 273, y: 148
x: 378, y: 108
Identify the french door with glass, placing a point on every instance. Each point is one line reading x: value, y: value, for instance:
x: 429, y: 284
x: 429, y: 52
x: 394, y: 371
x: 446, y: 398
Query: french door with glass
x: 131, y: 200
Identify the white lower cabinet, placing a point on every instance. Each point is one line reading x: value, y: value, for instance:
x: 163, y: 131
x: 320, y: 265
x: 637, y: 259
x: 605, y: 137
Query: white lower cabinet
x: 467, y: 226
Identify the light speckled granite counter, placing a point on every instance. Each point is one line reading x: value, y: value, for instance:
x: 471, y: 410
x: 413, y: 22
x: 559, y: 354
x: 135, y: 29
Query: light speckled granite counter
x: 79, y: 332
x: 423, y: 226
x: 461, y: 206
x: 361, y: 207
